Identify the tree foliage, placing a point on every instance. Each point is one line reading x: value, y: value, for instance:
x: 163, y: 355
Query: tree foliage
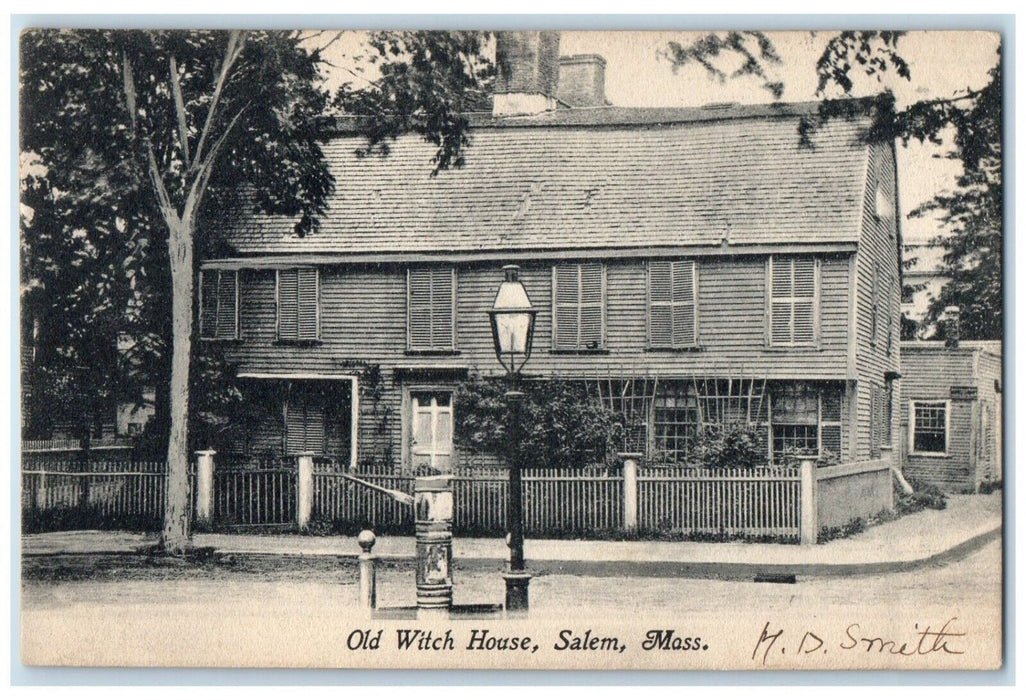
x: 561, y: 424
x: 176, y: 127
x: 972, y: 211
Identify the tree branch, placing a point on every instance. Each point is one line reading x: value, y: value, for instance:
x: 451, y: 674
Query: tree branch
x: 236, y: 42
x: 183, y: 130
x: 206, y: 168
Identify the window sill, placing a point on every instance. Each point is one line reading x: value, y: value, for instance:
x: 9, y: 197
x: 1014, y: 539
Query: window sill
x: 299, y: 343
x: 928, y: 454
x: 692, y: 348
x: 578, y: 351
x: 792, y: 348
x: 433, y: 353
x: 222, y: 341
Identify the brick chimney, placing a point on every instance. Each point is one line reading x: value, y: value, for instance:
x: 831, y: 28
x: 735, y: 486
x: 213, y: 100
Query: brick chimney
x: 528, y: 73
x: 952, y: 326
x: 582, y: 80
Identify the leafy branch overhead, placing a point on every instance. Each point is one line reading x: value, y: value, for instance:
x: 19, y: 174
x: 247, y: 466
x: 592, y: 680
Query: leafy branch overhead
x: 428, y: 83
x: 971, y: 118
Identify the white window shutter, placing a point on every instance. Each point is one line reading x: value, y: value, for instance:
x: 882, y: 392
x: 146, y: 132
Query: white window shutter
x: 591, y: 306
x: 567, y: 301
x: 684, y: 326
x: 660, y: 304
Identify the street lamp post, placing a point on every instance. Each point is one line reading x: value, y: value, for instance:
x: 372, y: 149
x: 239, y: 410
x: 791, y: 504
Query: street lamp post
x: 512, y: 319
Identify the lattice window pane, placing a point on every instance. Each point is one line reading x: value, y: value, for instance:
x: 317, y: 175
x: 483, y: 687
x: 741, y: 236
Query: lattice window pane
x: 930, y: 427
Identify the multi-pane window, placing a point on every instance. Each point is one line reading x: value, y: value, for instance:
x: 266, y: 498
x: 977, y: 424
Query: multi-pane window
x: 676, y: 420
x: 793, y: 300
x: 806, y: 419
x: 579, y: 293
x: 431, y: 308
x: 929, y: 426
x: 219, y: 304
x: 795, y: 418
x: 672, y: 304
x: 298, y: 304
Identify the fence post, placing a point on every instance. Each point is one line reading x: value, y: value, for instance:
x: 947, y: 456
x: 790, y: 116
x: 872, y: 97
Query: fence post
x: 304, y: 489
x: 630, y: 489
x: 810, y: 515
x: 204, y: 486
x: 368, y: 573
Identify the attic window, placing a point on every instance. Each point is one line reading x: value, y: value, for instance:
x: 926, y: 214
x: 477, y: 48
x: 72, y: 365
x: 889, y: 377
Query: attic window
x: 883, y: 207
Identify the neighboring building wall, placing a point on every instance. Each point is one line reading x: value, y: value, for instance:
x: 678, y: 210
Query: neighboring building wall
x: 877, y: 283
x: 963, y: 377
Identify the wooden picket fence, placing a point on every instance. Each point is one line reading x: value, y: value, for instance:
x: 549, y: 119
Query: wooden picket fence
x: 557, y: 502
x: 764, y: 501
x: 89, y: 495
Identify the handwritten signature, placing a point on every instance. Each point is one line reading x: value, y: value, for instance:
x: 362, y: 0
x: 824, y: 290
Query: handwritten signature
x: 924, y: 640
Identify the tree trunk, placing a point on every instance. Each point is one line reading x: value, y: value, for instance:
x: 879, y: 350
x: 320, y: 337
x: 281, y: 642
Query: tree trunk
x: 177, y: 506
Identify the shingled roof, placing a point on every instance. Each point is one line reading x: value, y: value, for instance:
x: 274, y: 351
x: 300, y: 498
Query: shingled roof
x: 598, y: 178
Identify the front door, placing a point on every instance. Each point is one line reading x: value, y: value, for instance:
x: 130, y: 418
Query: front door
x: 431, y: 434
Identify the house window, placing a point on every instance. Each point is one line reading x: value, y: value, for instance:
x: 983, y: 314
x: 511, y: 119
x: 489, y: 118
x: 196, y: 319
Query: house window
x: 431, y: 431
x: 579, y: 295
x: 676, y: 421
x: 672, y: 304
x: 929, y: 427
x: 431, y: 308
x: 793, y: 301
x: 219, y: 304
x: 795, y: 417
x: 298, y: 304
x: 806, y: 419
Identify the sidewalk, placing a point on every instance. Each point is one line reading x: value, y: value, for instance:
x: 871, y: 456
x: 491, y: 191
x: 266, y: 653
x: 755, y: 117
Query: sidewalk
x: 927, y: 537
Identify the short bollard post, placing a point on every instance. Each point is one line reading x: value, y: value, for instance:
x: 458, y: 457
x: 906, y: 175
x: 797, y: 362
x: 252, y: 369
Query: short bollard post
x: 368, y: 571
x: 204, y: 486
x: 304, y: 489
x: 433, y: 513
x: 809, y: 528
x: 630, y: 490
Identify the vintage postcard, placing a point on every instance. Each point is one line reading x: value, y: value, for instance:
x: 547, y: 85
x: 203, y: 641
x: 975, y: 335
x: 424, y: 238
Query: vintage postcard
x: 511, y: 350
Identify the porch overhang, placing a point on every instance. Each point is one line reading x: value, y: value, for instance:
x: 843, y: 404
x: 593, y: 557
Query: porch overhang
x: 354, y: 400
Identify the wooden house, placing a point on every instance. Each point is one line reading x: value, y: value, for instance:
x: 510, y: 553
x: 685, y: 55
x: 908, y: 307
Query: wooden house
x: 697, y: 246
x: 951, y: 408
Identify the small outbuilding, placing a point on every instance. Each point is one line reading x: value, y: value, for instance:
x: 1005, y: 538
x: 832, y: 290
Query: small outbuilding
x: 951, y: 409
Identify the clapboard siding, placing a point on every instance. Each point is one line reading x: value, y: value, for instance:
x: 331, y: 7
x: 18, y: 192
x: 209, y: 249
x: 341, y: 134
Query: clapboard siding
x: 877, y: 255
x: 363, y: 319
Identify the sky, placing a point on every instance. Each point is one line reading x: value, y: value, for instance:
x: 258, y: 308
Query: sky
x: 941, y: 64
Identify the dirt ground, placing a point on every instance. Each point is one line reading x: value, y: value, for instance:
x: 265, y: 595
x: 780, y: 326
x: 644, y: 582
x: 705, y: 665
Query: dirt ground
x: 52, y: 582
